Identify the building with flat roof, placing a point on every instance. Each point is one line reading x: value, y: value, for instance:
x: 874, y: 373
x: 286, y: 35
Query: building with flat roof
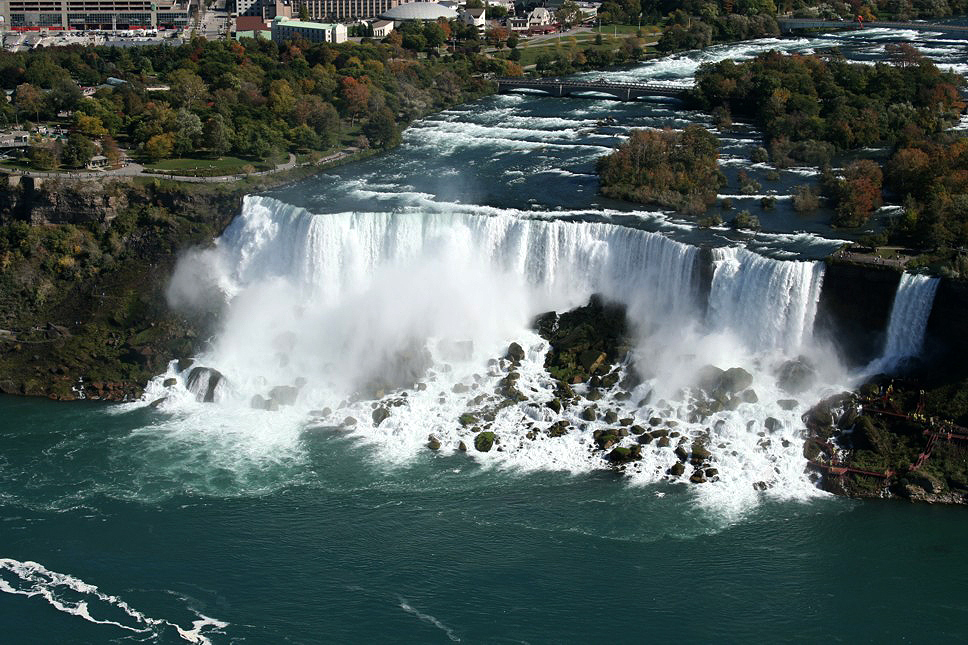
x: 102, y: 15
x: 382, y: 28
x: 344, y: 9
x: 284, y: 29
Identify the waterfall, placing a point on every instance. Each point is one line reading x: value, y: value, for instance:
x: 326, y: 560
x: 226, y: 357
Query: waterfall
x: 331, y: 257
x: 769, y: 304
x: 909, y: 319
x: 327, y: 316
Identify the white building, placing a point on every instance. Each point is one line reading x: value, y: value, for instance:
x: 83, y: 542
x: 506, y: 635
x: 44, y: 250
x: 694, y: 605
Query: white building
x: 507, y: 4
x: 474, y: 18
x: 382, y: 28
x: 284, y: 29
x: 539, y: 17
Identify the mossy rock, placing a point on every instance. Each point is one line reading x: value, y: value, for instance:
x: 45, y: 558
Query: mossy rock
x: 467, y: 419
x: 623, y: 455
x: 484, y: 441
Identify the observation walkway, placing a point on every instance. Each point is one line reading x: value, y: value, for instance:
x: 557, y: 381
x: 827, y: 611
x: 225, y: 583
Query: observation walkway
x: 619, y: 91
x: 789, y: 25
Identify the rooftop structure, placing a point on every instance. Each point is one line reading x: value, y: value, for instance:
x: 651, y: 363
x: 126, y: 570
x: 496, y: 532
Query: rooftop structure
x: 284, y: 29
x: 105, y: 15
x: 342, y: 9
x: 419, y: 11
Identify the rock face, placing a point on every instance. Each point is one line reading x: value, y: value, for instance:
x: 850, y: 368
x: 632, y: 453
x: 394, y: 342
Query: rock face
x: 892, y: 449
x: 854, y: 304
x: 586, y: 341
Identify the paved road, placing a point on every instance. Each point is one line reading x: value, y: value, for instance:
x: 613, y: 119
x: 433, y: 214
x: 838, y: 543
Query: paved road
x: 136, y: 170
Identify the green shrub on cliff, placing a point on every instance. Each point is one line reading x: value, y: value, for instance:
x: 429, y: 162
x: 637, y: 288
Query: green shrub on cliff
x: 670, y: 168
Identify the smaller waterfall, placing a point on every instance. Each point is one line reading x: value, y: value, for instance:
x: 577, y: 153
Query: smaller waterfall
x: 909, y: 319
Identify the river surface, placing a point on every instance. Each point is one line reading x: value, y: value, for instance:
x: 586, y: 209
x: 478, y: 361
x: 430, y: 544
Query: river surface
x: 218, y: 522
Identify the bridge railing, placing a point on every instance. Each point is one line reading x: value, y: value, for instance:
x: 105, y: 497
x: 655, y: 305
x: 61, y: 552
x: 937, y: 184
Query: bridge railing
x: 595, y: 84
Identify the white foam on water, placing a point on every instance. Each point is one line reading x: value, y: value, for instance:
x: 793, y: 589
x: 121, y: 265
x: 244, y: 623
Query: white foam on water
x: 325, y: 304
x: 73, y: 596
x: 427, y: 618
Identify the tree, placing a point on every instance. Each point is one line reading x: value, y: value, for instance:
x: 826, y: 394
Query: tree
x: 218, y: 135
x: 381, y: 129
x: 78, y: 151
x: 187, y: 133
x: 304, y: 12
x: 160, y: 146
x: 65, y: 95
x: 281, y: 98
x: 29, y: 99
x: 434, y: 34
x: 89, y: 126
x: 44, y: 153
x: 568, y: 13
x: 496, y: 36
x: 157, y: 118
x: 356, y: 96
x: 512, y: 40
x: 187, y: 88
x: 110, y: 149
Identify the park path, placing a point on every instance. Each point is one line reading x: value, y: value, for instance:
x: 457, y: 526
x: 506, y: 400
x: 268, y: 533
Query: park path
x: 137, y: 170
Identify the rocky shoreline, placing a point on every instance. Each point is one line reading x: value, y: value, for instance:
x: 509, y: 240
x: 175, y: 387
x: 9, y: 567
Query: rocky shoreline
x: 887, y: 441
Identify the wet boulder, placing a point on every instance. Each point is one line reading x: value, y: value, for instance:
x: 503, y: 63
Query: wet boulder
x: 677, y: 469
x: 380, y: 415
x: 558, y: 429
x: 202, y: 381
x: 709, y: 377
x: 796, y: 376
x: 515, y: 353
x: 734, y: 380
x: 622, y: 455
x: 773, y: 424
x: 433, y: 443
x: 284, y: 394
x: 484, y: 441
x: 605, y: 439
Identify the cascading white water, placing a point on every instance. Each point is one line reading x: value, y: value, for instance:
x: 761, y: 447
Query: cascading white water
x: 770, y: 305
x: 319, y: 306
x: 909, y: 320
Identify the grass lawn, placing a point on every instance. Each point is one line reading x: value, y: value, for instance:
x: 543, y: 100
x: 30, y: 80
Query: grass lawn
x: 16, y: 163
x: 611, y: 41
x: 227, y: 165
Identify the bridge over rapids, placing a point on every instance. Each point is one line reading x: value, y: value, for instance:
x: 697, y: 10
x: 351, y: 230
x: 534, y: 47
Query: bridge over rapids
x: 620, y: 91
x: 789, y: 25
